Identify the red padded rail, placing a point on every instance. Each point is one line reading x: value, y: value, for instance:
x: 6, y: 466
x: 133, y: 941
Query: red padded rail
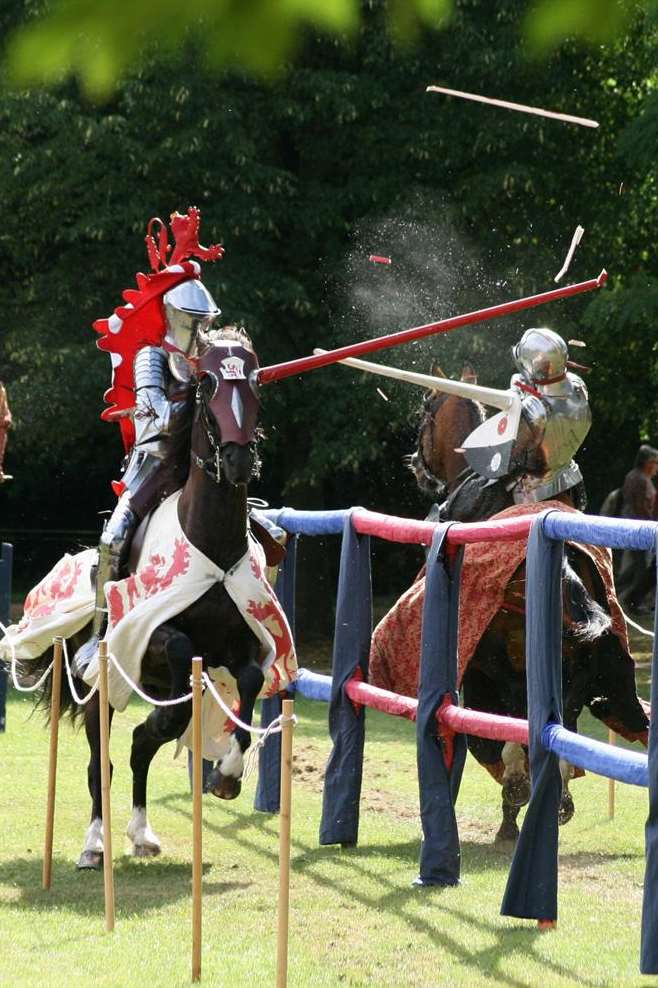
x: 409, y: 530
x: 379, y: 699
x: 483, y: 725
x: 459, y: 719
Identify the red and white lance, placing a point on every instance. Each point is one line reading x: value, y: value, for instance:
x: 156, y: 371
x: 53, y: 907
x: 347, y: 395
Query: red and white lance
x: 277, y: 372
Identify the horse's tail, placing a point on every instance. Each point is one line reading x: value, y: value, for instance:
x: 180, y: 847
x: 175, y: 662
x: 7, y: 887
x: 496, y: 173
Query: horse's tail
x: 586, y: 619
x: 68, y: 705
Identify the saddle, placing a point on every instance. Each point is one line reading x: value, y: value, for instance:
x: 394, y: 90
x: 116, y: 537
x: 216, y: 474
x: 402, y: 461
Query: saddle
x: 270, y: 536
x: 475, y: 498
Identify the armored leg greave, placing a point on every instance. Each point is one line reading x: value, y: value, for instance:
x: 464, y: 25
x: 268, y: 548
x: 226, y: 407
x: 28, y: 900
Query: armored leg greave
x: 112, y: 552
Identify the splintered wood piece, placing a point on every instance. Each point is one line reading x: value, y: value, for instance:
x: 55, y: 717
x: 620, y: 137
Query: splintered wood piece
x: 520, y: 107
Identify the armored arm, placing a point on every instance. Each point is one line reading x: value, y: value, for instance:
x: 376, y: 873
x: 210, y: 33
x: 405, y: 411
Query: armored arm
x: 153, y: 409
x: 527, y: 455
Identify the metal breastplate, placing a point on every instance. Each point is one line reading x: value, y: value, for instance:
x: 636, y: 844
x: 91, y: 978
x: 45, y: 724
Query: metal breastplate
x: 556, y: 426
x: 155, y: 405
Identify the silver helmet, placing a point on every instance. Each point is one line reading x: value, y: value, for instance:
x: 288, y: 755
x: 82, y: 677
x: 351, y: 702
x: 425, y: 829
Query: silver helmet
x: 541, y: 356
x: 189, y: 308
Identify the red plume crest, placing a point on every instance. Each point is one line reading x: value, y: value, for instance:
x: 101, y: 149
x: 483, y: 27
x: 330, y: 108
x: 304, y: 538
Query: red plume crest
x: 139, y: 320
x: 185, y: 229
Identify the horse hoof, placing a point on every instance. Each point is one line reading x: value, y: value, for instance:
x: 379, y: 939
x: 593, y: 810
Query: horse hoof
x: 566, y: 810
x: 146, y: 850
x: 225, y: 786
x: 516, y: 791
x: 507, y: 836
x: 90, y: 861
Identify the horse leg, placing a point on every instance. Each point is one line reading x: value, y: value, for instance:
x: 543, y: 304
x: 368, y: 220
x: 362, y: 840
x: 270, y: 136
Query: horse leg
x: 567, y: 808
x: 163, y: 724
x: 516, y: 784
x: 225, y: 780
x: 92, y: 851
x: 508, y: 831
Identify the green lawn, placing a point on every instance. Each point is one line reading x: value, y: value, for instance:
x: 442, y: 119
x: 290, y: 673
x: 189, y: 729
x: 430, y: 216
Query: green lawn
x: 355, y: 917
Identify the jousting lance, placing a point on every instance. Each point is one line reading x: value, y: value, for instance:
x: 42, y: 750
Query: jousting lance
x: 488, y: 448
x: 277, y: 372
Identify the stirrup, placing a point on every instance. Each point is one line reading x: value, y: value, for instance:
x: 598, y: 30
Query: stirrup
x: 85, y: 655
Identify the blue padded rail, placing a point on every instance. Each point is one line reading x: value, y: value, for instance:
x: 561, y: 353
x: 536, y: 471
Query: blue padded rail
x: 312, y: 685
x: 617, y: 533
x: 631, y: 767
x: 309, y: 522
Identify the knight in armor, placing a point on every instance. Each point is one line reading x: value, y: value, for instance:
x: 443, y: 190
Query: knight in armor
x: 162, y: 384
x: 555, y: 419
x: 5, y: 426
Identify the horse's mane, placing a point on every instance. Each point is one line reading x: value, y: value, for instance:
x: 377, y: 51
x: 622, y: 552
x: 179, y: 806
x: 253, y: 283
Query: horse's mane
x: 214, y: 336
x: 434, y: 400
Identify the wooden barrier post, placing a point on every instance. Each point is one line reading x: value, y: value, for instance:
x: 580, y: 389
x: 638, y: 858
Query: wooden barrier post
x: 612, y: 739
x: 55, y: 698
x: 284, y: 844
x: 104, y: 723
x: 197, y: 816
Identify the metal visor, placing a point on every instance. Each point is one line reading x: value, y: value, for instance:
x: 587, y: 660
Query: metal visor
x: 183, y: 328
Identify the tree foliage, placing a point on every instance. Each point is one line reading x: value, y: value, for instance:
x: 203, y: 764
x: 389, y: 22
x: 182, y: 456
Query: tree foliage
x: 302, y: 178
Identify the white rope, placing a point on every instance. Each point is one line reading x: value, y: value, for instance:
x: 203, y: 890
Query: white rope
x: 273, y: 728
x: 12, y: 667
x: 141, y: 694
x: 80, y: 700
x: 638, y: 627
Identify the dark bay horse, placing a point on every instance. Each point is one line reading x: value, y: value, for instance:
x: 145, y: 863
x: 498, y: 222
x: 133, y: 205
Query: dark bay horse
x: 217, y: 442
x: 598, y: 672
x: 446, y: 420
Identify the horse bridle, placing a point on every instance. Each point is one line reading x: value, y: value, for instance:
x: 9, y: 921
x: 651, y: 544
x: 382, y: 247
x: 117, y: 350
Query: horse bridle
x: 211, y: 465
x: 430, y: 404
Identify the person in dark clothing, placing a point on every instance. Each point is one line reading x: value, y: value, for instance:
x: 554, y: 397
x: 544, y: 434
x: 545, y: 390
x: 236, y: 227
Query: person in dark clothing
x: 5, y: 426
x: 637, y: 574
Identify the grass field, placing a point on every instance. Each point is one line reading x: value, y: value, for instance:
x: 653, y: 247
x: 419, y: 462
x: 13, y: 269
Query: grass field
x: 355, y: 917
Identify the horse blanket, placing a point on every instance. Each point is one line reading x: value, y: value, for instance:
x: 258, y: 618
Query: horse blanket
x: 170, y: 575
x: 487, y: 570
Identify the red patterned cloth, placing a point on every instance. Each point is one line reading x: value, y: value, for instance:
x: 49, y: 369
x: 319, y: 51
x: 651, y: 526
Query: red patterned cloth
x: 487, y: 570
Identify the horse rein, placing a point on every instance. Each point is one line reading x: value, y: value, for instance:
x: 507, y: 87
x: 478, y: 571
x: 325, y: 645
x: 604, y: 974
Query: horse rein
x: 211, y: 465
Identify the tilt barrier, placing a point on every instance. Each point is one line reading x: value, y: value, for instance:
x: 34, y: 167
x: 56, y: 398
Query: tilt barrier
x: 440, y: 724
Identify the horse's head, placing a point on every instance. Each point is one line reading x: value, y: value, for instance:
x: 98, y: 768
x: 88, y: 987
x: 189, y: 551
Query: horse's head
x: 446, y: 421
x: 225, y: 433
x: 598, y: 671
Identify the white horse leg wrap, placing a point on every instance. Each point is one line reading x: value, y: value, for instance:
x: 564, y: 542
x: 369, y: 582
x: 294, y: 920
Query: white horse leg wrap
x: 514, y: 759
x: 139, y: 831
x: 233, y: 761
x: 94, y: 837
